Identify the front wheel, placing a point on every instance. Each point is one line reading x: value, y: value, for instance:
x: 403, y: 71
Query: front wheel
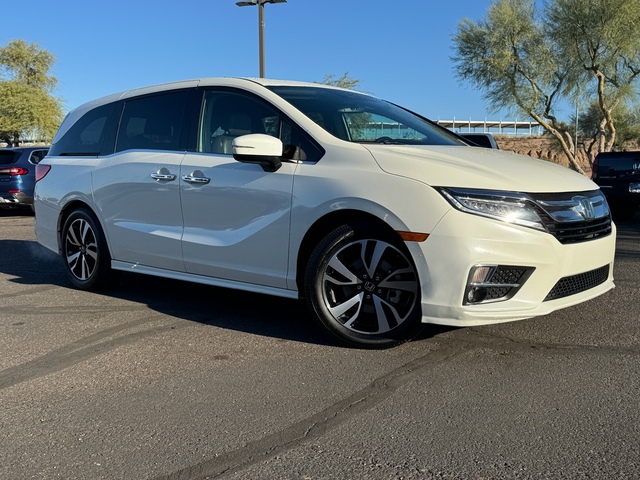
x: 363, y: 287
x: 84, y: 251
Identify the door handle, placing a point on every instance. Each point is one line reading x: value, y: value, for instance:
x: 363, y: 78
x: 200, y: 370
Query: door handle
x: 196, y: 177
x: 163, y: 174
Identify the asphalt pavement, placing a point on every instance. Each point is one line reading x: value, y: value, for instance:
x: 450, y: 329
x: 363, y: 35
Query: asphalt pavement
x: 159, y: 379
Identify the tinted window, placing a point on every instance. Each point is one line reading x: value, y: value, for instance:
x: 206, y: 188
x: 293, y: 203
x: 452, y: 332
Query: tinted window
x: 153, y: 122
x: 85, y: 137
x: 227, y: 115
x: 7, y: 157
x: 37, y: 156
x: 612, y: 164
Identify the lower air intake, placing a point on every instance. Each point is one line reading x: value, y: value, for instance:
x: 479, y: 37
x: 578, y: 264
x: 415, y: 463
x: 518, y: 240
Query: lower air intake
x: 578, y: 283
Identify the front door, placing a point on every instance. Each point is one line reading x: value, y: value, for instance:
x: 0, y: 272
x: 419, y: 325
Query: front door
x: 236, y: 216
x: 236, y: 219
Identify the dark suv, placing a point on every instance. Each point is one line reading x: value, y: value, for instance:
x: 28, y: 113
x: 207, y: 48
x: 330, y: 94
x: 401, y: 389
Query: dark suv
x: 618, y: 174
x: 485, y: 140
x: 17, y: 175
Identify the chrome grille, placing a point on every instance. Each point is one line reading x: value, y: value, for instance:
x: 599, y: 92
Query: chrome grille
x: 565, y: 215
x: 574, y: 232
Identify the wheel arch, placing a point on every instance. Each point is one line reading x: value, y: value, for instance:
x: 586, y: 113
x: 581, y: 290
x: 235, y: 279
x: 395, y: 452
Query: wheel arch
x: 67, y: 210
x: 326, y: 224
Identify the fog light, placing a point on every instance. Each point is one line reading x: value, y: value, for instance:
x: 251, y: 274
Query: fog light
x: 494, y: 283
x: 476, y: 294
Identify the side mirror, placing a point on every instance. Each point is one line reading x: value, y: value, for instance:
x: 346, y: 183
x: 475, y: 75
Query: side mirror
x: 259, y: 148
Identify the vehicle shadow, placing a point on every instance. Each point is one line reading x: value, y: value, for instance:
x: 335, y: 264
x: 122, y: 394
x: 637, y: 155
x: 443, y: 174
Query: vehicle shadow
x: 628, y: 237
x: 16, y: 212
x: 32, y: 264
x: 631, y: 225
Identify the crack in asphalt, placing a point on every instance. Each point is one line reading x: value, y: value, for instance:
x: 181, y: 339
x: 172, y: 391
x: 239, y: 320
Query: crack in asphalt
x: 493, y: 338
x: 71, y: 310
x: 319, y: 424
x: 81, y: 350
x: 373, y: 394
x: 29, y: 291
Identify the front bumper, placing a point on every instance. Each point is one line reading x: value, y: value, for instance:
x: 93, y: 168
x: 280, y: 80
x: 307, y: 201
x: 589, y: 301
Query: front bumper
x: 461, y: 241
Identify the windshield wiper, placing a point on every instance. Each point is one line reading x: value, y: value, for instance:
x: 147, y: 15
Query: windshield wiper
x: 385, y: 141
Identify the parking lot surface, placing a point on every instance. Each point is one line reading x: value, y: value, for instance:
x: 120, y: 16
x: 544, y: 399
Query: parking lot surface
x: 161, y: 379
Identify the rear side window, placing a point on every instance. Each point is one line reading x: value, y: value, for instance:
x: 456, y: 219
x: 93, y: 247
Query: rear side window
x: 153, y: 122
x: 37, y: 156
x: 8, y: 157
x: 86, y: 136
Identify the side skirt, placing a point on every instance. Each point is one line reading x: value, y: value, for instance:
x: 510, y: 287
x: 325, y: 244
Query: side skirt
x: 215, y: 282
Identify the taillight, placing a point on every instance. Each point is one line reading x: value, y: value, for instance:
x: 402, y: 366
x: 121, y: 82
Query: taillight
x: 594, y: 169
x: 14, y: 171
x: 41, y: 171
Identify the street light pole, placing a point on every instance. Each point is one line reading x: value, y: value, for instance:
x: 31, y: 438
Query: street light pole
x: 260, y: 4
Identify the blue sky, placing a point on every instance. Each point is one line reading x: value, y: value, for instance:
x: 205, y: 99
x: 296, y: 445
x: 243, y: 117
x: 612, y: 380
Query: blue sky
x: 399, y: 49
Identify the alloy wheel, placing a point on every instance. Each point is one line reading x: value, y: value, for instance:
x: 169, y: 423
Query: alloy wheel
x: 369, y: 287
x: 81, y: 249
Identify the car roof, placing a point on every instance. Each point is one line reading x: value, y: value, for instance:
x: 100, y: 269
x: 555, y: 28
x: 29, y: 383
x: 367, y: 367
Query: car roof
x: 239, y: 82
x: 30, y: 147
x: 618, y: 154
x: 202, y: 82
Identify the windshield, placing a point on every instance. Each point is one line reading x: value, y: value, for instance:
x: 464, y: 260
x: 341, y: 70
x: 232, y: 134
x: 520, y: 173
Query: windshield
x: 356, y: 117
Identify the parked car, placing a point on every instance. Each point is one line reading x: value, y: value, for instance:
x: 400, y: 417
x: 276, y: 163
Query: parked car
x: 17, y: 175
x: 618, y: 175
x: 485, y: 140
x: 380, y: 219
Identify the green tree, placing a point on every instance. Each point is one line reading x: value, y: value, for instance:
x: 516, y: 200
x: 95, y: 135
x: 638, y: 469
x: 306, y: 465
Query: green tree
x: 28, y: 107
x: 627, y: 122
x: 345, y: 81
x: 603, y: 38
x: 532, y: 61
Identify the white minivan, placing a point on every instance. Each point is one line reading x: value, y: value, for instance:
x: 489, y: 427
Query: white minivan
x: 379, y: 219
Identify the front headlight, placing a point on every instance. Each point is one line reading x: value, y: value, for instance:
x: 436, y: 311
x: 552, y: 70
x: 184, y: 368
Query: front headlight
x: 509, y: 207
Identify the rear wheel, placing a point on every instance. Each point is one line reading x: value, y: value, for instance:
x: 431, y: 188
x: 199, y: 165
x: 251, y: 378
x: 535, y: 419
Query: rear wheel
x: 363, y: 287
x: 84, y: 251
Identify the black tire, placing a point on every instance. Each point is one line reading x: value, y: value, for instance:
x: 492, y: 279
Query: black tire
x: 363, y: 288
x: 85, y: 254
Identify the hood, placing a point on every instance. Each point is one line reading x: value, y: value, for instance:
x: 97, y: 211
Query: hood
x: 475, y: 167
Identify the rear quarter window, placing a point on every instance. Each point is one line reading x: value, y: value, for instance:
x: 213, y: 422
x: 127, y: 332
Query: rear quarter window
x: 37, y: 156
x: 86, y: 136
x: 153, y: 122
